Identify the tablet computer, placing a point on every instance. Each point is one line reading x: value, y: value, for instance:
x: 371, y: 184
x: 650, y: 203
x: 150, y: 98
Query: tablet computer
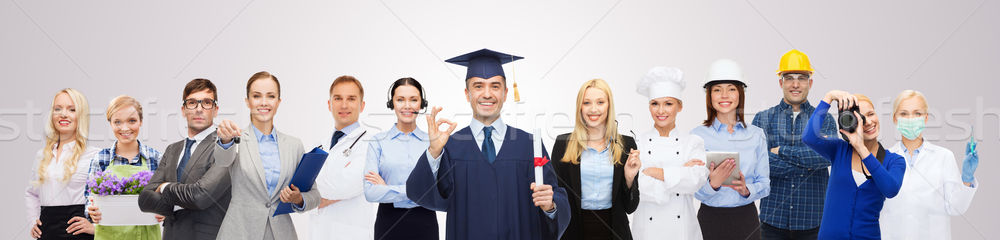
x: 719, y: 157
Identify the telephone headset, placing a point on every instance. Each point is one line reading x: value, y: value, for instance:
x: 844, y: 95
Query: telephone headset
x: 402, y: 82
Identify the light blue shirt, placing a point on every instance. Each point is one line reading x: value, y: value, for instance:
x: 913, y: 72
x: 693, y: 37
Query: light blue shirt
x: 596, y: 175
x: 392, y: 155
x: 269, y: 156
x: 347, y: 130
x: 751, y: 144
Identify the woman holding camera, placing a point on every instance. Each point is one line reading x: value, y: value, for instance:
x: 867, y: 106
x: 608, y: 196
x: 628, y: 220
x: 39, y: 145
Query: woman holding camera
x: 862, y: 173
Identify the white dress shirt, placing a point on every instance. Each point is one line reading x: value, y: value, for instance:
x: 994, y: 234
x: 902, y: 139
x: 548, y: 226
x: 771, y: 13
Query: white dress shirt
x: 931, y: 194
x: 54, y: 191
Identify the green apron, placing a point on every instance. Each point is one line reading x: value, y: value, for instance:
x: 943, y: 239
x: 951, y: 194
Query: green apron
x: 137, y: 232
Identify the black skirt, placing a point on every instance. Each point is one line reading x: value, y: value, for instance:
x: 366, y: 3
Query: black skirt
x: 405, y: 223
x: 54, y: 220
x: 729, y: 223
x: 596, y: 224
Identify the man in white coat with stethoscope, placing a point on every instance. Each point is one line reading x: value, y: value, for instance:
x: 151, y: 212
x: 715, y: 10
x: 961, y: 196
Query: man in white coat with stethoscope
x: 343, y: 212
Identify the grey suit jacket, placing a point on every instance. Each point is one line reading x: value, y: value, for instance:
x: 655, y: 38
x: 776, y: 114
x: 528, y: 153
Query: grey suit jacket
x: 250, y: 212
x: 203, y: 192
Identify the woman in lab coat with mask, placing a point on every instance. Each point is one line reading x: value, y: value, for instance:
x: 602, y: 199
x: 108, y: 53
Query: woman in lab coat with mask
x: 932, y: 191
x: 673, y: 166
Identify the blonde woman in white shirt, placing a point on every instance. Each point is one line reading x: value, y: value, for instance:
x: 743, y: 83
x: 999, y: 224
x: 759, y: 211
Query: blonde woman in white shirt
x: 933, y: 190
x: 55, y: 195
x: 673, y: 166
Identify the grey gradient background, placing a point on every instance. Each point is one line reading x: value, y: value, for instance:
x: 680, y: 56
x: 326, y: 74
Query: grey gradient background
x: 946, y: 49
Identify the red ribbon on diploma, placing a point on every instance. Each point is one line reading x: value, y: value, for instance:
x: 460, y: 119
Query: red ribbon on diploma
x: 541, y: 161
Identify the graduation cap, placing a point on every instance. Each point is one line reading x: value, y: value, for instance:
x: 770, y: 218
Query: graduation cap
x: 484, y: 63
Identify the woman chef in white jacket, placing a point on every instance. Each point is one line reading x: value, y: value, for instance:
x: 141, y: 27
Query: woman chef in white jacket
x: 343, y: 212
x: 673, y: 168
x: 932, y: 191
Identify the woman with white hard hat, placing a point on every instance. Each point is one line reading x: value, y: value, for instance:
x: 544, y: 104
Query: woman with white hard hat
x: 673, y: 166
x: 728, y: 210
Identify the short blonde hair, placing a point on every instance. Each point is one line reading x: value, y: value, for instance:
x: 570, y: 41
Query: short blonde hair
x: 122, y: 102
x: 908, y: 94
x: 863, y: 98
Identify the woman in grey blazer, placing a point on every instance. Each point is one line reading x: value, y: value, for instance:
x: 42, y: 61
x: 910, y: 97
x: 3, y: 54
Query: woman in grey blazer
x: 261, y: 168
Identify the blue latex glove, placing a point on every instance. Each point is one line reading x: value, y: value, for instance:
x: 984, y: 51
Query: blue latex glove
x: 970, y: 163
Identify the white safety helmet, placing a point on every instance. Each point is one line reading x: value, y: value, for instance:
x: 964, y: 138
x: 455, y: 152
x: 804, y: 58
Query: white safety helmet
x: 724, y: 70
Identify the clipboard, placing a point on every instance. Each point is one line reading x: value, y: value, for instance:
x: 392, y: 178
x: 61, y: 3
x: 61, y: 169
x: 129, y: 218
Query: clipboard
x: 305, y: 175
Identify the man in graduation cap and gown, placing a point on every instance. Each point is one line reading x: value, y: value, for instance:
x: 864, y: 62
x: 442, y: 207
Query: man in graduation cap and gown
x: 483, y: 175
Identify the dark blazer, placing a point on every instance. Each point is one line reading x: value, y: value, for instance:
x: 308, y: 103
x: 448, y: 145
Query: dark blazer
x: 623, y: 200
x: 204, y: 192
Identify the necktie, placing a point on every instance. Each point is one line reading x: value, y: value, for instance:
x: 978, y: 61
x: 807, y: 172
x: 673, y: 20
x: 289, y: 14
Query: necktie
x: 488, y: 148
x: 184, y: 158
x: 336, y: 137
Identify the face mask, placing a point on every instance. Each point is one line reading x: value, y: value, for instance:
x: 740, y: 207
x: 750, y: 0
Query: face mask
x: 910, y: 127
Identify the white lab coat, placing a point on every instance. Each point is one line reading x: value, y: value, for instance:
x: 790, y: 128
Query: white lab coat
x: 342, y: 178
x: 931, y: 194
x: 666, y: 208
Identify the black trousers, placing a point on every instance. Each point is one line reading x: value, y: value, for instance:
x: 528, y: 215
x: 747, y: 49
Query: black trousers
x: 729, y: 223
x: 405, y: 223
x: 596, y: 224
x: 769, y: 232
x: 54, y: 224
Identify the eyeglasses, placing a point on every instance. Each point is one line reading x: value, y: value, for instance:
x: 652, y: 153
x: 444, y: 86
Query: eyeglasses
x: 204, y: 103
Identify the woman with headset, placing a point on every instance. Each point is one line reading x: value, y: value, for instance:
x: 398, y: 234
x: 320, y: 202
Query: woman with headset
x: 391, y: 157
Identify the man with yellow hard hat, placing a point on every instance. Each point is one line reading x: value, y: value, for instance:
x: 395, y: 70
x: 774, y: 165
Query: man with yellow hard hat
x: 799, y: 175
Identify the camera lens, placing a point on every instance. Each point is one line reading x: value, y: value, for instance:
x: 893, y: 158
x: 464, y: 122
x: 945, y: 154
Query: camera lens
x: 847, y: 121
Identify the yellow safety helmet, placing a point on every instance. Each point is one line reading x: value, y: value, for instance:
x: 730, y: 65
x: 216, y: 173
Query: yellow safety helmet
x: 794, y: 61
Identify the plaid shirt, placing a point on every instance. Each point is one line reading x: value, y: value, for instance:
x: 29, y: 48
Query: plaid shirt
x: 106, y: 156
x: 798, y: 174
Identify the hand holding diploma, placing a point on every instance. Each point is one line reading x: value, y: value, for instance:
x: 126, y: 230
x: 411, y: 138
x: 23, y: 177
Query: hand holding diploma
x: 542, y: 195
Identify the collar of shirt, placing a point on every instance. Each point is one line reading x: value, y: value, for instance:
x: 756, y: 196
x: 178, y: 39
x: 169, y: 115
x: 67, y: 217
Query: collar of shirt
x: 142, y: 153
x: 910, y: 160
x: 202, y: 135
x: 394, y: 133
x: 719, y: 126
x: 349, y: 128
x: 68, y: 148
x: 499, y: 129
x: 606, y: 147
x: 261, y: 137
x: 805, y: 107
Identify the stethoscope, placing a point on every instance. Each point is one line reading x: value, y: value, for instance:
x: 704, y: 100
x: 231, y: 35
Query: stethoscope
x: 347, y: 152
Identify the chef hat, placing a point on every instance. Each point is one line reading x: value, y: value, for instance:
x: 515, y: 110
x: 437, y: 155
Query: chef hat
x: 662, y: 82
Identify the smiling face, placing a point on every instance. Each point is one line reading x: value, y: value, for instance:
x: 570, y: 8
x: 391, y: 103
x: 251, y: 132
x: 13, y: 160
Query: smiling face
x: 795, y: 87
x: 664, y: 111
x: 406, y: 102
x: 125, y: 123
x: 263, y: 100
x: 486, y: 97
x: 594, y: 108
x: 345, y: 104
x: 200, y: 118
x: 871, y: 126
x: 64, y: 114
x: 725, y: 97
